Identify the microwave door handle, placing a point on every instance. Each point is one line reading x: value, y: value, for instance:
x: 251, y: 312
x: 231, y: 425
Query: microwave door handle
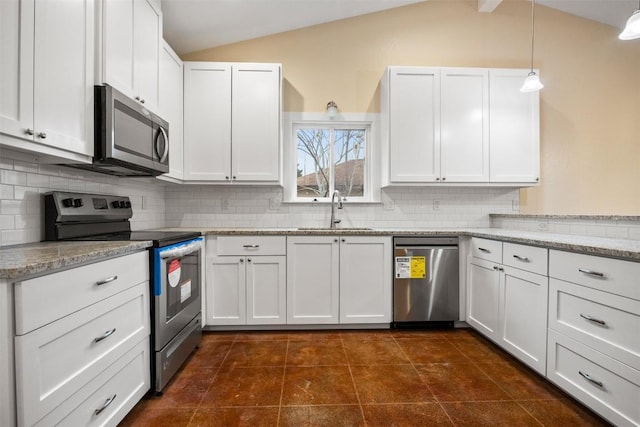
x: 166, y: 145
x: 181, y: 251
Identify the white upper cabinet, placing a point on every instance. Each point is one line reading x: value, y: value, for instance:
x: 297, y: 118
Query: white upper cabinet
x: 458, y: 126
x: 464, y: 133
x: 515, y: 128
x: 170, y: 106
x: 131, y: 45
x: 232, y: 122
x: 47, y: 84
x: 411, y: 102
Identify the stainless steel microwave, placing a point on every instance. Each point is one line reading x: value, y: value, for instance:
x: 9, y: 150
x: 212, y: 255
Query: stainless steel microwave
x: 129, y: 139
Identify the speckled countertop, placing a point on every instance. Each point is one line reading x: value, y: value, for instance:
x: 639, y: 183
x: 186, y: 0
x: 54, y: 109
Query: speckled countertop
x: 35, y: 258
x: 569, y: 217
x: 31, y: 259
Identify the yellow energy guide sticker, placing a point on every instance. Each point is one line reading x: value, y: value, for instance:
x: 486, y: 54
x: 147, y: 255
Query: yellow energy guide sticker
x: 414, y: 267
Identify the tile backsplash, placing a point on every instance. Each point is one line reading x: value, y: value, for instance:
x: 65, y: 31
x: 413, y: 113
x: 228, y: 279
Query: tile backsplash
x: 22, y: 185
x: 158, y: 204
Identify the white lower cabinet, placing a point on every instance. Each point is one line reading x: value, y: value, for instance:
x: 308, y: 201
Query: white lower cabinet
x: 333, y: 279
x: 94, y: 355
x: 245, y: 289
x: 594, y: 333
x: 509, y: 304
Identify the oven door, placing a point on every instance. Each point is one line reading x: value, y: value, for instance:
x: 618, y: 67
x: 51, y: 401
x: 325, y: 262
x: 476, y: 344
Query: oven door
x: 177, y: 283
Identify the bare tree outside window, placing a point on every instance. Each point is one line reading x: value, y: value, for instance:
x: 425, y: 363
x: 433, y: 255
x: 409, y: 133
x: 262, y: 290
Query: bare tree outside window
x: 330, y: 159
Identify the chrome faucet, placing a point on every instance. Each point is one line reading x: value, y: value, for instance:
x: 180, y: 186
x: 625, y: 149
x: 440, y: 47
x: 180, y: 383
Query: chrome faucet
x: 334, y: 221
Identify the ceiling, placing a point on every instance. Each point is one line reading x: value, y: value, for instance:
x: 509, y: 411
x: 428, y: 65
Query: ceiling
x: 191, y: 25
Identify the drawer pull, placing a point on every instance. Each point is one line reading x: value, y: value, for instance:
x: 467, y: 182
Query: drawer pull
x: 521, y: 258
x: 107, y: 280
x: 251, y: 246
x: 593, y: 319
x: 105, y: 405
x: 484, y: 250
x: 591, y: 380
x: 105, y: 336
x: 591, y: 273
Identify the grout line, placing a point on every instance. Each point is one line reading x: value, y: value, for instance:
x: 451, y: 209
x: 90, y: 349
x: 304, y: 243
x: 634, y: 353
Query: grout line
x: 353, y: 381
x: 284, y: 373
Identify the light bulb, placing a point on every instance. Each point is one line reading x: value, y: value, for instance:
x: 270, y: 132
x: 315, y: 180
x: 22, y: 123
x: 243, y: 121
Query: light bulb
x: 632, y: 29
x: 532, y: 83
x: 332, y: 109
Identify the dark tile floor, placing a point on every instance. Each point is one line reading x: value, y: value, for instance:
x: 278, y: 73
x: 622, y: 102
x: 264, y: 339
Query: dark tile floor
x: 357, y: 378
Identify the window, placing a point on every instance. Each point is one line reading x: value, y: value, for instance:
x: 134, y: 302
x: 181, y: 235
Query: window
x: 331, y: 157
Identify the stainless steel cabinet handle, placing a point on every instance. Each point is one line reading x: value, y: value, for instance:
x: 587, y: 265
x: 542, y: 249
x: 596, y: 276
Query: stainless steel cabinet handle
x: 105, y: 336
x: 593, y: 319
x: 251, y: 246
x: 28, y: 131
x: 107, y: 280
x: 42, y: 135
x: 591, y: 272
x: 521, y: 258
x: 484, y: 250
x: 591, y: 380
x: 105, y: 405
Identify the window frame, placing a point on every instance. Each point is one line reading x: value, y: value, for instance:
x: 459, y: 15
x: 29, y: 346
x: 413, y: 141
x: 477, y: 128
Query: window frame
x: 367, y: 122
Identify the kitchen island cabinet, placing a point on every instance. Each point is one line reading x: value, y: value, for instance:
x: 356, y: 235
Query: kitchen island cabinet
x: 46, y: 105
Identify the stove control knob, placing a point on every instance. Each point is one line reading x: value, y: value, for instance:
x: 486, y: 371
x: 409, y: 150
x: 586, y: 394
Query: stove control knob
x: 77, y: 203
x: 127, y: 204
x: 114, y: 204
x: 67, y: 203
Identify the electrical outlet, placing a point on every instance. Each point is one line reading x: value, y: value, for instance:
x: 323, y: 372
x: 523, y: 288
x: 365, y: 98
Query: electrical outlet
x: 436, y: 205
x: 225, y: 204
x: 515, y: 205
x: 389, y: 205
x: 274, y: 204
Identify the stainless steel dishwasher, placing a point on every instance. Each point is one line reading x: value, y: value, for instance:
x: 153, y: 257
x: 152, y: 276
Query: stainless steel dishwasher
x: 426, y: 286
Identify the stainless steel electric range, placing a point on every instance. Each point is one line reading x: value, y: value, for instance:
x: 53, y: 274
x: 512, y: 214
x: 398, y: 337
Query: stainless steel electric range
x: 175, y: 261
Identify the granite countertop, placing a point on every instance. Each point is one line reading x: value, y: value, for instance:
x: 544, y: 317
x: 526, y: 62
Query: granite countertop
x: 569, y: 217
x: 35, y: 258
x: 46, y: 257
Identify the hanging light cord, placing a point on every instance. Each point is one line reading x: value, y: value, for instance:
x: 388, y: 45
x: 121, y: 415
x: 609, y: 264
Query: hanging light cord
x: 533, y: 10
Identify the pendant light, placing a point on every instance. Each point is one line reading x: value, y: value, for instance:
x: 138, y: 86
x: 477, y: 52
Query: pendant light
x: 632, y: 29
x: 532, y: 83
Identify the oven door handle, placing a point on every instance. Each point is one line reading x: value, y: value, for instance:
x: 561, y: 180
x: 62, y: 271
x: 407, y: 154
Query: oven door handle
x: 181, y: 251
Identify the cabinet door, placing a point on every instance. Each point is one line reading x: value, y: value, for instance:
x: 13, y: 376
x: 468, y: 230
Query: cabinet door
x: 414, y: 125
x: 118, y: 45
x: 483, y: 297
x: 63, y: 75
x: 365, y: 279
x: 170, y: 106
x: 523, y: 316
x: 515, y: 128
x: 207, y: 121
x: 312, y: 280
x: 16, y: 67
x: 225, y: 292
x: 464, y: 143
x: 147, y: 34
x: 255, y: 122
x: 266, y: 290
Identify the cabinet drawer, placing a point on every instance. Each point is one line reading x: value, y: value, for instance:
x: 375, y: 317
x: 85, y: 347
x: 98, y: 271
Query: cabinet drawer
x: 528, y: 258
x: 125, y: 382
x: 614, y: 388
x: 54, y: 361
x: 491, y: 250
x: 252, y: 245
x: 606, y: 274
x: 614, y: 328
x: 47, y: 298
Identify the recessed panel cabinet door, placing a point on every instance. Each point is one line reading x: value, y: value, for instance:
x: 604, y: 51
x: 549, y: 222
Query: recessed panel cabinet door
x: 266, y: 290
x: 170, y: 106
x: 207, y: 121
x: 483, y: 297
x: 464, y: 142
x: 255, y: 150
x: 313, y: 280
x: 225, y: 291
x: 414, y: 124
x: 515, y: 128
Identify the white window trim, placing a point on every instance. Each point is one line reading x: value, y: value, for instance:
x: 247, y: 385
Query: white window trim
x: 365, y: 120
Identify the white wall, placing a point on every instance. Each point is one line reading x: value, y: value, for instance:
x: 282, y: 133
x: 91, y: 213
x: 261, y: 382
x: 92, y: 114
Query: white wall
x: 21, y: 203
